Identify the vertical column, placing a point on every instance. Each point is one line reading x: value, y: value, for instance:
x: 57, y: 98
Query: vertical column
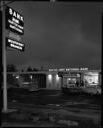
x: 46, y: 80
x: 53, y: 81
x: 83, y: 75
x: 4, y: 61
x: 61, y: 81
x: 64, y: 81
x: 99, y: 79
x: 49, y: 80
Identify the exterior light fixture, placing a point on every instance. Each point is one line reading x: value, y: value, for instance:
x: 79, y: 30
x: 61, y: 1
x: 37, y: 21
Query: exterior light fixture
x: 17, y: 77
x: 31, y: 76
x: 57, y: 77
x: 50, y: 77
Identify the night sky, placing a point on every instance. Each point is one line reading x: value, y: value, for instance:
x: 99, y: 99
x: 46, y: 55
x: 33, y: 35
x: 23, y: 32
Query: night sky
x: 59, y: 35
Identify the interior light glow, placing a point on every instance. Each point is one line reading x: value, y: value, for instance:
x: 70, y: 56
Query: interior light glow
x: 57, y: 77
x: 50, y: 77
x: 17, y: 77
x: 31, y: 76
x: 92, y: 78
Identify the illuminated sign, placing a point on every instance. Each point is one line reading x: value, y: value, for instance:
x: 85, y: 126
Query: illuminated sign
x: 61, y: 69
x: 76, y: 69
x: 83, y: 69
x: 14, y: 44
x: 50, y: 70
x: 14, y: 21
x: 69, y: 69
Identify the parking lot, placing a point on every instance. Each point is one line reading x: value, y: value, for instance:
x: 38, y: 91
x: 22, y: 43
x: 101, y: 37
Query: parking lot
x: 53, y: 108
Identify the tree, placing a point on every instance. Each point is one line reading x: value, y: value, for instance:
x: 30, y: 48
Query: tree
x: 22, y: 70
x: 35, y: 69
x: 29, y: 69
x: 42, y: 68
x: 11, y: 68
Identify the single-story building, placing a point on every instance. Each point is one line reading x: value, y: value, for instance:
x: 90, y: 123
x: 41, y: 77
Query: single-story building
x: 56, y: 78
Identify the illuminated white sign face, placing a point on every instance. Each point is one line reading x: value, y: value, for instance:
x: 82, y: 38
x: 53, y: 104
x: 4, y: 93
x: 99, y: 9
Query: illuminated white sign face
x: 14, y: 44
x: 76, y: 69
x: 83, y: 69
x: 69, y: 69
x: 61, y: 69
x: 53, y: 70
x: 14, y: 21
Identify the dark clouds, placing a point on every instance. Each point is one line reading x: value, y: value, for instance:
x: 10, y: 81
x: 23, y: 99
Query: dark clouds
x: 60, y: 35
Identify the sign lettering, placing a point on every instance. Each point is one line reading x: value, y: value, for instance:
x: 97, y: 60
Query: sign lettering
x: 14, y: 21
x: 14, y: 44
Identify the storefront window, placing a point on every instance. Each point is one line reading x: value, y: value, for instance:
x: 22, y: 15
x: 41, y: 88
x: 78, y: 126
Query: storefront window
x: 91, y: 78
x: 71, y: 80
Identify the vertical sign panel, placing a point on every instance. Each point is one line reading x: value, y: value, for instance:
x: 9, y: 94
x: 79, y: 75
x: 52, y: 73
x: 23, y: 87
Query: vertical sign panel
x: 14, y: 21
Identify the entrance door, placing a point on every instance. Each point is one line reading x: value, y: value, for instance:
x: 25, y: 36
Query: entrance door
x: 41, y: 80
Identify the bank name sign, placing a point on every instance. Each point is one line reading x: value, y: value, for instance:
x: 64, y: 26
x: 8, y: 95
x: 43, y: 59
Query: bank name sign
x: 14, y: 21
x: 69, y: 69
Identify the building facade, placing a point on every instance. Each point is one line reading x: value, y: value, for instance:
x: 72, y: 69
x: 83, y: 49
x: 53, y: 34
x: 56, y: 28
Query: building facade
x: 55, y: 79
x: 79, y: 77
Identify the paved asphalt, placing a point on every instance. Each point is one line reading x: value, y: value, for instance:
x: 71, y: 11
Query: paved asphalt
x: 72, y: 107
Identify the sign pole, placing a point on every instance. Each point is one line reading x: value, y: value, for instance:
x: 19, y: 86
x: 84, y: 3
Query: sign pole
x: 4, y: 61
x: 18, y: 19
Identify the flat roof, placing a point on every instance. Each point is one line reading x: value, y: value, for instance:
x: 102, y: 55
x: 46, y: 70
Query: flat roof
x: 53, y: 72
